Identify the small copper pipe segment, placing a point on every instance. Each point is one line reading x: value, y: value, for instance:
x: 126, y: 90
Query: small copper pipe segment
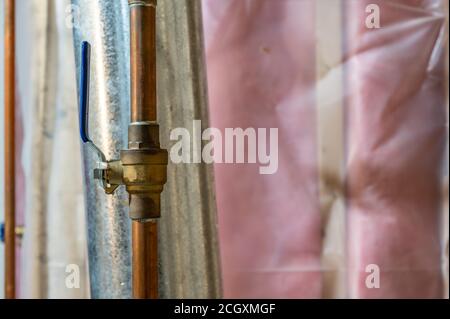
x: 10, y: 224
x: 143, y: 109
x: 145, y: 260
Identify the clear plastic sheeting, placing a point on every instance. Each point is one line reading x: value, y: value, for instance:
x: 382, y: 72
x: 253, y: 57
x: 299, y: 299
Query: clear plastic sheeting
x: 357, y: 207
x: 51, y: 192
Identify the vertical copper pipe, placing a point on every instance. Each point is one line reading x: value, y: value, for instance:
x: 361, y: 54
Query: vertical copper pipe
x: 143, y: 108
x: 145, y: 260
x: 143, y: 60
x: 10, y: 224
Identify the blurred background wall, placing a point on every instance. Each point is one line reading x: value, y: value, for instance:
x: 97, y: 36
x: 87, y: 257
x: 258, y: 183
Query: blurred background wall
x: 55, y: 234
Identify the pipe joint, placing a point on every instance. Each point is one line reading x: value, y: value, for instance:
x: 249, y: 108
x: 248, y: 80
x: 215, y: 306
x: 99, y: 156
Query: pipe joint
x: 145, y: 3
x: 142, y: 169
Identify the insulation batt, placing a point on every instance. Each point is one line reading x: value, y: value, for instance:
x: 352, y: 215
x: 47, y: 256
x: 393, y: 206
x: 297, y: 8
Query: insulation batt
x: 261, y: 60
x: 396, y: 137
x: 261, y: 76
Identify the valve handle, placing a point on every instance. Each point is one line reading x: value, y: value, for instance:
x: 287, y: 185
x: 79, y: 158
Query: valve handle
x: 84, y: 100
x: 84, y: 91
x: 102, y: 165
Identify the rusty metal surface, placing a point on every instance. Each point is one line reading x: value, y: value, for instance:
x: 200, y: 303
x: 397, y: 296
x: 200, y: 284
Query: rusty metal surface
x: 188, y: 247
x: 105, y: 25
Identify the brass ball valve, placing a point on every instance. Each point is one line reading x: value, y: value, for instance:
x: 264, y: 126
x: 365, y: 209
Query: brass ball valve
x: 142, y: 168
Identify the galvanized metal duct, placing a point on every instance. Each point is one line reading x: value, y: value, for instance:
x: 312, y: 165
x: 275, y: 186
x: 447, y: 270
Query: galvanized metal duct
x: 188, y: 236
x: 188, y: 245
x: 105, y: 24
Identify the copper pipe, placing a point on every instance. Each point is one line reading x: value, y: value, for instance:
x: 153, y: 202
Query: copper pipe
x: 143, y: 108
x: 10, y: 90
x: 143, y: 60
x: 145, y: 260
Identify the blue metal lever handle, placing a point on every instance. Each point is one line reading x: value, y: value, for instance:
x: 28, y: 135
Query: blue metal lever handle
x: 84, y: 99
x: 84, y: 91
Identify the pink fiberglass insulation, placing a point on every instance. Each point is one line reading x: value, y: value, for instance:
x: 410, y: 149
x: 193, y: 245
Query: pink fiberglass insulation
x: 396, y: 133
x: 261, y: 61
x: 261, y: 74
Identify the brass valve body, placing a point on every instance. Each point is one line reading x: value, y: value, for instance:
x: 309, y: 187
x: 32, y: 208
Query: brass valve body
x: 142, y: 169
